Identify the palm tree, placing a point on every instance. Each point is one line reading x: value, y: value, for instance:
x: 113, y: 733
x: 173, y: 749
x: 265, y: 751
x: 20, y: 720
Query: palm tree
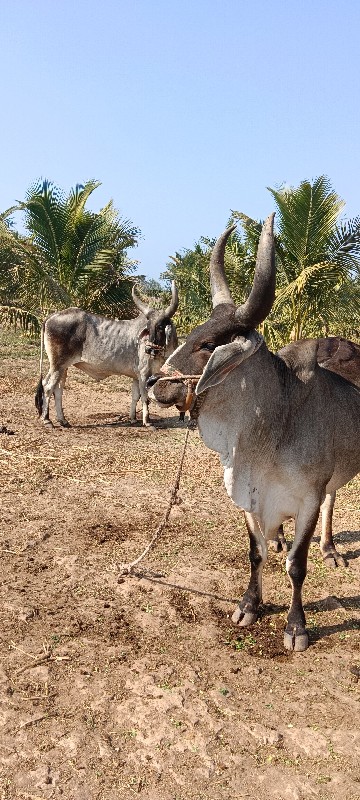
x: 318, y: 264
x: 70, y: 256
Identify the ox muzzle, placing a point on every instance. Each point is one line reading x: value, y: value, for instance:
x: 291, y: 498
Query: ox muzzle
x: 174, y: 376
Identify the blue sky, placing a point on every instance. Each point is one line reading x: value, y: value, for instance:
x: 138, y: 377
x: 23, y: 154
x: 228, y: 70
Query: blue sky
x: 183, y: 110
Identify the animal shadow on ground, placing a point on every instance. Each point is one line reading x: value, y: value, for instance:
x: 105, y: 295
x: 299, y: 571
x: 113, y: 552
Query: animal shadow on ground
x: 273, y: 609
x: 123, y: 421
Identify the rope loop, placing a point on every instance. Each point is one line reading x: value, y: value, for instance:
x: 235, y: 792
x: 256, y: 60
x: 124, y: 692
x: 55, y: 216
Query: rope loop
x: 126, y: 569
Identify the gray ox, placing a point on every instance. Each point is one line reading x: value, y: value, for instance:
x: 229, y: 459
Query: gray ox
x: 343, y: 357
x: 287, y: 431
x: 102, y: 347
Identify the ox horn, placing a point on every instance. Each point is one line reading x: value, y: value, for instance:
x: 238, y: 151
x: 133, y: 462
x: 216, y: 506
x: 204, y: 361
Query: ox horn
x: 262, y: 295
x: 220, y: 291
x: 139, y: 303
x: 170, y: 310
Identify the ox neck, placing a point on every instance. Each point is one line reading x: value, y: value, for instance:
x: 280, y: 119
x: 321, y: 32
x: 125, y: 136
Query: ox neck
x: 253, y: 400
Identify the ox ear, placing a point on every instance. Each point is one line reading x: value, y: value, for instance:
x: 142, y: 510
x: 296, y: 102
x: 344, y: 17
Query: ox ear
x: 226, y: 358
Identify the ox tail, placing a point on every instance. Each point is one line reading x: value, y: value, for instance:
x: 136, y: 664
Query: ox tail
x: 39, y: 394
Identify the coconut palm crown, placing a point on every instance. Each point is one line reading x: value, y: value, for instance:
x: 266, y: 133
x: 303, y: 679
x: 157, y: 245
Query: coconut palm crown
x: 68, y: 256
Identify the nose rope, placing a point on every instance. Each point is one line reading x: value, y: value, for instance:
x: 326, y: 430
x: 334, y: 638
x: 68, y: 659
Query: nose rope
x: 172, y: 374
x: 151, y: 349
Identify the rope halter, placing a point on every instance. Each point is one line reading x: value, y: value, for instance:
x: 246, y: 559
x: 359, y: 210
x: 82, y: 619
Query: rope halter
x: 190, y: 381
x: 151, y: 349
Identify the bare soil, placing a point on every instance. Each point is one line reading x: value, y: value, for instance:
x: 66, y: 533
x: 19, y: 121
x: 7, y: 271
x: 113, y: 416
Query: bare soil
x: 141, y: 686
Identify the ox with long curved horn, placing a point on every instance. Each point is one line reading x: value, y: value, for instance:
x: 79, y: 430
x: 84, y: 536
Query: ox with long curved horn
x: 145, y: 309
x: 170, y: 310
x: 167, y: 313
x: 262, y: 295
x: 220, y: 291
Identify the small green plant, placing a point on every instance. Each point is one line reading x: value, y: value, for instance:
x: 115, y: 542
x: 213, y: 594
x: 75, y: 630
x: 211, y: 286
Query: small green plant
x: 245, y: 643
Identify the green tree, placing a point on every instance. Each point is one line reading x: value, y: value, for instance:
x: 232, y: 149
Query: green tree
x: 318, y: 264
x: 69, y: 256
x: 318, y: 267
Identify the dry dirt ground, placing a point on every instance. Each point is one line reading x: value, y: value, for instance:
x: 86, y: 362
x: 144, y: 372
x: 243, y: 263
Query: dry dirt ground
x: 142, y: 687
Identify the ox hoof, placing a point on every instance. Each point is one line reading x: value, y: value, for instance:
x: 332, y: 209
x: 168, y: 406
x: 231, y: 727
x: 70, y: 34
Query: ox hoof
x: 243, y: 618
x: 333, y: 559
x: 64, y: 423
x: 296, y: 642
x: 279, y: 545
x: 48, y: 424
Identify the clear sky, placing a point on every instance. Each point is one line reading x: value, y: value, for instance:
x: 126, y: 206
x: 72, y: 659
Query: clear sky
x: 183, y: 109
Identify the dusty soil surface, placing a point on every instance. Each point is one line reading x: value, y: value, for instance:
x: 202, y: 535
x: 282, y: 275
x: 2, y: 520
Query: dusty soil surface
x: 141, y: 686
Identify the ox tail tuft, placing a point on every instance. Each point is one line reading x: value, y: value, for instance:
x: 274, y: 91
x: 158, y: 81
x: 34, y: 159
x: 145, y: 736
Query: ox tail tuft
x: 39, y: 394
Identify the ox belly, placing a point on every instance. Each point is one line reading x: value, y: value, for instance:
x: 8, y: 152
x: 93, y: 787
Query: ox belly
x: 97, y: 373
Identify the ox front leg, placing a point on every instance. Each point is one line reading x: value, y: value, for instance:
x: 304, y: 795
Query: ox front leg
x: 295, y: 636
x: 247, y: 611
x: 144, y: 400
x: 53, y: 384
x: 135, y: 397
x: 328, y: 550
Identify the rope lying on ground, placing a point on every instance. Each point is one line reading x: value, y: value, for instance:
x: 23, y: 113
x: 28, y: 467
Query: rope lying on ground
x: 126, y: 569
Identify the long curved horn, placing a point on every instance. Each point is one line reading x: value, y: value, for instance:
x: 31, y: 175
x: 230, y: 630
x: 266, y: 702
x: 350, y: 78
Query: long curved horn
x: 262, y: 295
x: 139, y: 303
x: 170, y: 310
x: 220, y: 291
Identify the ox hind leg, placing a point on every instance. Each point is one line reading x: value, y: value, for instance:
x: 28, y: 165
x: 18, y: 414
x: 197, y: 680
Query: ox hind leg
x: 247, y: 610
x: 295, y: 636
x: 135, y: 397
x: 328, y: 550
x: 58, y: 393
x: 53, y: 384
x: 279, y: 543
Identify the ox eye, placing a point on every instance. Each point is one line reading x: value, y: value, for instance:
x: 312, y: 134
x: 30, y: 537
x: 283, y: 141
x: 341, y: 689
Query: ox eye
x: 208, y: 346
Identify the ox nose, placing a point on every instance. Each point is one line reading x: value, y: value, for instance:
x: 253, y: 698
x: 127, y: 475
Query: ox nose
x: 151, y: 381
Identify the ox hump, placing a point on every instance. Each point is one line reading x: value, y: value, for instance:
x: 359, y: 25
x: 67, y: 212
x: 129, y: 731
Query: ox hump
x: 301, y: 358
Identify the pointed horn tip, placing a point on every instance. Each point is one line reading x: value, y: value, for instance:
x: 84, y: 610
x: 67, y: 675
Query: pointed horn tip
x: 230, y: 229
x: 269, y: 222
